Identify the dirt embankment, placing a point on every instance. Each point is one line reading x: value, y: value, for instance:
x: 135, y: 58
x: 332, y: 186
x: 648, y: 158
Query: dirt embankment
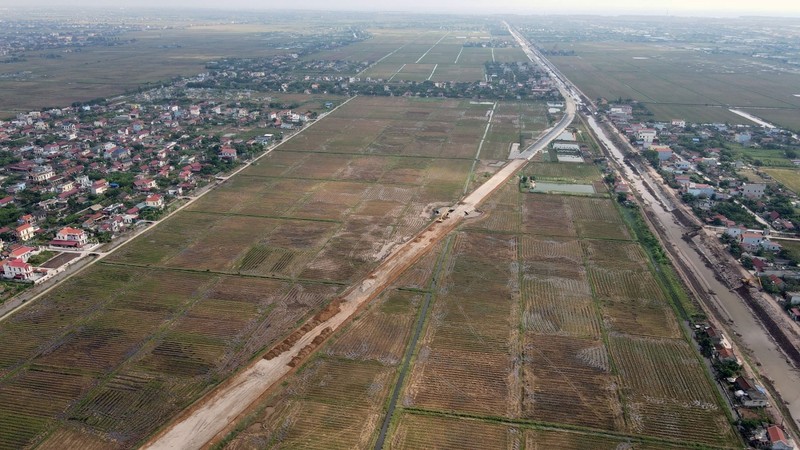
x: 331, y: 310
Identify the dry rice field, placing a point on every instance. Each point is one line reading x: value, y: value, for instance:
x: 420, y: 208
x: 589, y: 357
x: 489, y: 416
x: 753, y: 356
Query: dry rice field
x: 548, y: 323
x: 543, y: 333
x: 127, y: 344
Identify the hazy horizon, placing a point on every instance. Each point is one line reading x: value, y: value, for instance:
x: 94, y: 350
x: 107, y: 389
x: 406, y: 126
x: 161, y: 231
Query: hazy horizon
x: 719, y: 8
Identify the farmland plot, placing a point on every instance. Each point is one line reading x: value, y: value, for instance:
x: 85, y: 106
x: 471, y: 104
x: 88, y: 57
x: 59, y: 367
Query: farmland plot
x: 444, y: 433
x: 569, y: 380
x: 335, y: 400
x: 572, y: 440
x: 669, y: 394
x: 465, y: 358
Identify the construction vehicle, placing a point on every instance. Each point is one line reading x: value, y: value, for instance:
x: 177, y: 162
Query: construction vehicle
x: 443, y: 216
x: 755, y: 282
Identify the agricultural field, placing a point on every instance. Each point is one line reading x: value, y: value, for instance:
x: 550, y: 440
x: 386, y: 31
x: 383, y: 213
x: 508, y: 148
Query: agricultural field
x: 336, y: 399
x: 554, y: 325
x: 130, y: 342
x: 403, y: 54
x: 572, y: 173
x: 678, y: 81
x: 156, y: 55
x: 787, y: 177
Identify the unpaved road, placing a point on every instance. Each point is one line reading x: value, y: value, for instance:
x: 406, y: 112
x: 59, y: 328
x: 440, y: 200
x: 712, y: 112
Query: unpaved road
x: 213, y: 413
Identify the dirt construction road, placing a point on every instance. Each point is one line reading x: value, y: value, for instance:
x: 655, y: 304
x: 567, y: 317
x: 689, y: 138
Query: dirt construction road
x: 213, y: 413
x: 222, y: 406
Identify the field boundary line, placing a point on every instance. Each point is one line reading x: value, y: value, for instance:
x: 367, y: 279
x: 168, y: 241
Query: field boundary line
x: 459, y: 55
x: 256, y: 216
x: 433, y: 71
x: 551, y: 426
x: 411, y: 348
x: 432, y: 46
x: 232, y: 274
x: 153, y: 225
x: 398, y: 71
x: 480, y: 146
x: 384, y: 57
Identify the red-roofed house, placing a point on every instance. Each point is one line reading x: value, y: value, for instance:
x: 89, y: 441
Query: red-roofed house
x: 144, y: 184
x: 70, y: 237
x: 22, y: 252
x: 99, y: 187
x: 17, y: 269
x: 154, y: 201
x: 6, y: 201
x: 777, y: 439
x: 25, y: 232
x: 227, y: 153
x: 794, y: 313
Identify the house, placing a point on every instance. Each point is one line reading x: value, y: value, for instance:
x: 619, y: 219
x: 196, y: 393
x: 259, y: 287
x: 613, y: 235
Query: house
x: 753, y: 190
x: 683, y: 180
x: 99, y: 187
x: 715, y: 336
x: 145, y: 184
x: 664, y: 152
x: 25, y: 232
x: 725, y: 354
x: 750, y: 395
x: 735, y: 231
x: 770, y: 246
x: 6, y: 201
x: 751, y: 239
x: 154, y: 201
x: 41, y: 174
x: 70, y: 237
x: 646, y: 135
x: 227, y: 153
x: 793, y: 298
x: 22, y: 252
x: 700, y: 190
x: 17, y: 269
x: 794, y: 313
x: 777, y: 439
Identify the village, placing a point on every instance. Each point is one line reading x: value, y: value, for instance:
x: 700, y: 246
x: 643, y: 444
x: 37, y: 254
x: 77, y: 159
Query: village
x: 78, y: 177
x: 753, y: 214
x: 756, y: 221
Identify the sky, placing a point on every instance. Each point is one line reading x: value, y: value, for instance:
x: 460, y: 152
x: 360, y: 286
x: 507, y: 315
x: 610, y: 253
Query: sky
x: 779, y: 8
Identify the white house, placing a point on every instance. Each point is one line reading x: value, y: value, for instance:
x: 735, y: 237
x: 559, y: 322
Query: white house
x: 99, y: 187
x: 751, y: 239
x: 70, y: 237
x: 646, y: 135
x: 22, y: 252
x: 154, y: 201
x: 17, y: 269
x: 700, y: 190
x: 664, y: 152
x: 25, y: 232
x: 793, y: 298
x: 753, y: 190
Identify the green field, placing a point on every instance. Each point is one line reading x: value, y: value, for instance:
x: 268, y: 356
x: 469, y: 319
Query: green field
x: 787, y: 177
